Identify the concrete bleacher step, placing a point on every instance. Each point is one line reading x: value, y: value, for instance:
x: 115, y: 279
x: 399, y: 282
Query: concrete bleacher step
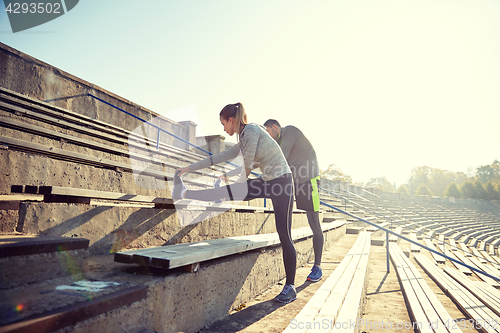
x: 354, y: 229
x: 27, y: 259
x: 43, y: 286
x: 86, y: 132
x: 55, y: 304
x: 76, y: 304
x: 332, y: 216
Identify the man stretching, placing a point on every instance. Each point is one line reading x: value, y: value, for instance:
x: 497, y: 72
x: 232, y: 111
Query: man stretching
x: 302, y: 160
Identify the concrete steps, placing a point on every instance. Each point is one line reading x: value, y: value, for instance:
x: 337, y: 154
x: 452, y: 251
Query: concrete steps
x: 44, y: 288
x: 29, y: 259
x: 55, y: 304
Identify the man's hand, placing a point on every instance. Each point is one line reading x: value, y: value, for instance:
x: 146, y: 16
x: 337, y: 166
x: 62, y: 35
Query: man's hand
x: 183, y: 170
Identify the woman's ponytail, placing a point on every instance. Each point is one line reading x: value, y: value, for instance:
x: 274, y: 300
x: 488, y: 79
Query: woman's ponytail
x: 235, y: 111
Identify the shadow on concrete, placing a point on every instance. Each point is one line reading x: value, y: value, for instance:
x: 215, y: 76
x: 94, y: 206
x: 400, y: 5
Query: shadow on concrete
x: 264, y: 223
x: 137, y: 224
x: 380, y: 285
x: 249, y: 315
x: 64, y: 227
x: 64, y: 98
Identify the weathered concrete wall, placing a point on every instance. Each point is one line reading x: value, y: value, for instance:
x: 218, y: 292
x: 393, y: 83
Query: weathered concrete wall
x: 26, y: 75
x: 391, y: 196
x: 25, y: 169
x: 114, y: 228
x: 40, y: 267
x: 213, y: 143
x: 131, y: 319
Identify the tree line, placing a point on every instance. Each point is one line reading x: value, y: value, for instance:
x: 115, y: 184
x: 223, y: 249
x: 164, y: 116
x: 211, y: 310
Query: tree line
x: 481, y: 183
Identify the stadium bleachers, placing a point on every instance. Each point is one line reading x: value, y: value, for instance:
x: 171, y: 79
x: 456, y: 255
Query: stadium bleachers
x: 88, y: 242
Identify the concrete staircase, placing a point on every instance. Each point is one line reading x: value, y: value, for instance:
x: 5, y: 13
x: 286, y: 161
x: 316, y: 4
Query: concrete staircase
x: 101, y: 203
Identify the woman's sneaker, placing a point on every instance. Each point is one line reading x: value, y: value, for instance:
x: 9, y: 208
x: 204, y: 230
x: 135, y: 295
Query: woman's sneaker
x: 287, y: 295
x: 315, y: 274
x: 179, y: 188
x: 217, y: 185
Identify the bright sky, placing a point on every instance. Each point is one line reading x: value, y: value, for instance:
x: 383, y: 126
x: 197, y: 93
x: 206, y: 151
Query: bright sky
x: 378, y: 87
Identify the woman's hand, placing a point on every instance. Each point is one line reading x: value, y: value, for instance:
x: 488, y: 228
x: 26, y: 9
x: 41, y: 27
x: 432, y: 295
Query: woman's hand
x: 183, y: 170
x: 241, y: 180
x: 224, y: 178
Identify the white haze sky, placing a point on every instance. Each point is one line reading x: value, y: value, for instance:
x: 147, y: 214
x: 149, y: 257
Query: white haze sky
x: 378, y: 87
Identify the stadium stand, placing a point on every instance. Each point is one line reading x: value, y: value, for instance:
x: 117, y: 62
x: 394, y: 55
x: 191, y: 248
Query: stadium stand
x: 91, y: 240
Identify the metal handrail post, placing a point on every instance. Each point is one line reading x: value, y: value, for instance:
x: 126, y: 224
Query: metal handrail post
x: 387, y: 251
x: 158, y: 141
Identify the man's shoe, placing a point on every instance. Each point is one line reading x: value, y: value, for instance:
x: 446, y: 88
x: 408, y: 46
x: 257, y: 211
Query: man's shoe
x: 287, y: 295
x: 179, y: 188
x: 315, y: 274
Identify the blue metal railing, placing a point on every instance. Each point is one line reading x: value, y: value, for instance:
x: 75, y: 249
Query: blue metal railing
x: 387, y: 231
x: 153, y: 125
x: 162, y: 130
x: 383, y: 216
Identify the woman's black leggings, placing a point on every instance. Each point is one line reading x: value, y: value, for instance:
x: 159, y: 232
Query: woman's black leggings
x: 280, y: 191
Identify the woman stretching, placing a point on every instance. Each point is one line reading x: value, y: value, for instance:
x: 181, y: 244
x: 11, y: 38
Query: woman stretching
x: 259, y: 150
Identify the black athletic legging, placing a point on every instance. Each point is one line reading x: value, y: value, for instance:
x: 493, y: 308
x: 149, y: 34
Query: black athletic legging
x: 318, y: 238
x: 280, y: 191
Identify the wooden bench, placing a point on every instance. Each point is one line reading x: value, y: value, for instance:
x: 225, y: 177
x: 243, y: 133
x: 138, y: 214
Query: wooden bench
x: 45, y: 311
x: 439, y: 259
x: 420, y: 231
x: 430, y: 234
x: 338, y: 299
x: 441, y: 239
x: 424, y: 307
x: 394, y: 238
x: 478, y: 255
x: 414, y: 248
x: 452, y: 255
x: 465, y: 239
x: 488, y: 269
x: 496, y: 242
x: 189, y: 255
x: 473, y: 242
x: 473, y: 262
x: 465, y: 249
x: 494, y: 260
x: 448, y: 233
x: 468, y: 303
x: 484, y: 292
